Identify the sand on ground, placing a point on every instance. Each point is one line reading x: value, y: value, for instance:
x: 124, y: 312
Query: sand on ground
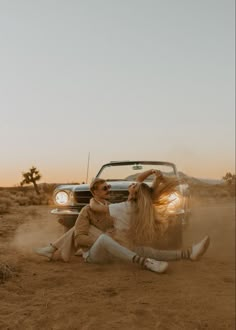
x: 75, y: 295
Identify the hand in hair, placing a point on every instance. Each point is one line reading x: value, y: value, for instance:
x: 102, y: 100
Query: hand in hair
x: 157, y: 173
x: 142, y: 176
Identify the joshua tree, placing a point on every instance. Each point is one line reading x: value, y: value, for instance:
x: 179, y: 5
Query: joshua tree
x: 31, y: 177
x: 229, y: 178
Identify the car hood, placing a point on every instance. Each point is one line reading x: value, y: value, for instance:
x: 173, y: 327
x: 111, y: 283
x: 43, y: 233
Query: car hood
x: 115, y: 185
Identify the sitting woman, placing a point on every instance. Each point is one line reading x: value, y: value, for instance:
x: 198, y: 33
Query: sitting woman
x: 142, y: 219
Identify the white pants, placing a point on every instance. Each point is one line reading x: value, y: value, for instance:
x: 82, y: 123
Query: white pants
x: 105, y: 249
x: 161, y: 255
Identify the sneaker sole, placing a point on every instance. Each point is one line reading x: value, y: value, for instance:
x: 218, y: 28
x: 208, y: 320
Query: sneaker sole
x: 164, y: 269
x: 160, y: 270
x: 204, y: 248
x: 42, y: 254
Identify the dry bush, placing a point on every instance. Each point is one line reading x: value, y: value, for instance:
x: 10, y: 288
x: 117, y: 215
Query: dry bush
x: 219, y: 192
x: 35, y: 199
x: 48, y: 188
x: 5, y: 193
x: 29, y: 197
x: 231, y: 189
x: 6, y: 272
x: 3, y: 208
x: 23, y: 201
x: 16, y: 197
x: 5, y: 202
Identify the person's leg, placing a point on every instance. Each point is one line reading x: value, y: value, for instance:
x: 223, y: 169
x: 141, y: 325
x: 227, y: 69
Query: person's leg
x: 166, y: 255
x: 62, y: 248
x: 198, y: 249
x: 106, y: 249
x: 46, y: 251
x: 193, y: 253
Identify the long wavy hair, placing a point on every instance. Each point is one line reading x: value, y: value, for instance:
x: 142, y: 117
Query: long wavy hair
x: 148, y: 218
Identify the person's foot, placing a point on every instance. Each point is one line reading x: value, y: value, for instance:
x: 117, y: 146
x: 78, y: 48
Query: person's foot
x: 156, y: 266
x: 79, y: 252
x: 200, y: 248
x: 46, y: 251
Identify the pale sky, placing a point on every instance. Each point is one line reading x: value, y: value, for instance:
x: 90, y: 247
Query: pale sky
x: 121, y: 79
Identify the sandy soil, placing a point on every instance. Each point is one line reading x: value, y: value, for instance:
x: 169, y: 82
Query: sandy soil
x: 55, y: 295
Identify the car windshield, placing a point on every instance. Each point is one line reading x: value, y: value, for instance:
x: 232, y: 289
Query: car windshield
x: 124, y: 172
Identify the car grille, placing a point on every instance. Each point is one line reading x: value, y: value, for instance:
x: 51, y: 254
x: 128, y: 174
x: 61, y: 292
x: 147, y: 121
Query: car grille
x: 119, y: 196
x: 83, y: 197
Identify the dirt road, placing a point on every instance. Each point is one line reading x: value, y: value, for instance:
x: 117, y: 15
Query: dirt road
x: 55, y: 295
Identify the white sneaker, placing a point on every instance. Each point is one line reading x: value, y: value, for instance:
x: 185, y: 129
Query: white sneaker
x: 46, y: 251
x: 156, y: 266
x: 200, y: 248
x: 79, y: 252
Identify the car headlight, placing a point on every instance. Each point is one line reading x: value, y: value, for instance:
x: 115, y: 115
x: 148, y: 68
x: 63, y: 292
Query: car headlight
x: 175, y: 202
x: 61, y: 198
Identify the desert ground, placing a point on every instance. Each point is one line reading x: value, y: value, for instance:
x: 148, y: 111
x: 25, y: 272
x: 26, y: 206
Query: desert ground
x: 41, y: 294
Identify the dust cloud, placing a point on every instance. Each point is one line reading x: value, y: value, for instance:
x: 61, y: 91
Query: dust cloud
x: 31, y: 235
x: 216, y: 220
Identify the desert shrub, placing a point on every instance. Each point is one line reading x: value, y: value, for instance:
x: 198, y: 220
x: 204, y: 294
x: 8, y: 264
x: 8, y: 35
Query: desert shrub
x: 232, y: 190
x: 6, y: 200
x: 34, y: 199
x: 17, y: 197
x: 29, y: 198
x: 5, y: 272
x: 3, y: 208
x: 5, y: 204
x: 213, y: 192
x: 19, y: 194
x: 22, y: 200
x: 5, y: 193
x: 220, y: 194
x: 48, y: 188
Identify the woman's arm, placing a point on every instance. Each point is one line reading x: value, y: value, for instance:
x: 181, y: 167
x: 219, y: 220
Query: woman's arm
x: 142, y: 176
x: 156, y: 183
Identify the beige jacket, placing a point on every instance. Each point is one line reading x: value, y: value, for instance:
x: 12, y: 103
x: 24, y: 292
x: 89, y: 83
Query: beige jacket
x: 89, y: 226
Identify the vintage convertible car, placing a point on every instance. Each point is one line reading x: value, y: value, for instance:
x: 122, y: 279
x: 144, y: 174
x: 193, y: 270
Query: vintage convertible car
x: 69, y: 199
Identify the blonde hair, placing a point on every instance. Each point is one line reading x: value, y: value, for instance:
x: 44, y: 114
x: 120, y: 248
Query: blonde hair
x: 148, y: 219
x: 95, y: 184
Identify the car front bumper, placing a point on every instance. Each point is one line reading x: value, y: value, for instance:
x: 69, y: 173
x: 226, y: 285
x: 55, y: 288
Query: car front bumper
x: 67, y: 212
